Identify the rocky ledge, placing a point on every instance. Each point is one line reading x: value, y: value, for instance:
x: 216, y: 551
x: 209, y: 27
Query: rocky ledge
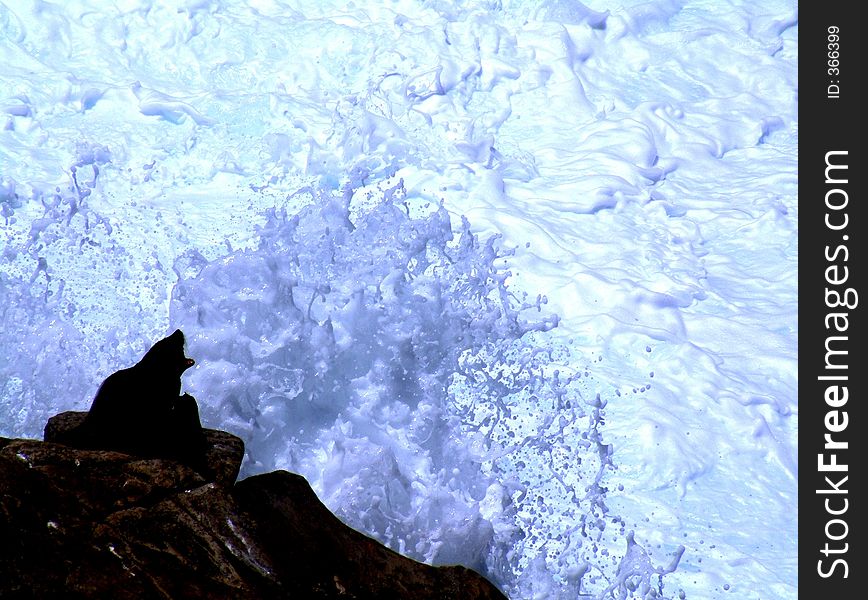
x: 101, y: 524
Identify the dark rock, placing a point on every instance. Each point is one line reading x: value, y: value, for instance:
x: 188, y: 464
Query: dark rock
x: 102, y: 524
x: 58, y: 427
x: 223, y: 455
x: 315, y: 551
x: 80, y: 523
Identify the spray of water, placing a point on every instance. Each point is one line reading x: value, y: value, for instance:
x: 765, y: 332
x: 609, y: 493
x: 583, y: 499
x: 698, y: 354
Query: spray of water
x: 366, y: 340
x: 383, y: 355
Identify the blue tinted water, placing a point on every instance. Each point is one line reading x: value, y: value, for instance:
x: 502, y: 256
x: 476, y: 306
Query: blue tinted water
x: 512, y: 283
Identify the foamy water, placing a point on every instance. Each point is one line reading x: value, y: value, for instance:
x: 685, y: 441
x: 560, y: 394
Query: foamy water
x: 512, y: 283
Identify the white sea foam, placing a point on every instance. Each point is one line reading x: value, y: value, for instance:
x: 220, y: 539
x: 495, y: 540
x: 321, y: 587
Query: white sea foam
x: 314, y: 192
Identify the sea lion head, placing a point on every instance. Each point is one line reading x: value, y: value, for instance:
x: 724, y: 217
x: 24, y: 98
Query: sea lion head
x: 168, y: 355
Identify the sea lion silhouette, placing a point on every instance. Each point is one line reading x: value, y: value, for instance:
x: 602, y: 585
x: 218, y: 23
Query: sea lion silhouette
x: 139, y: 410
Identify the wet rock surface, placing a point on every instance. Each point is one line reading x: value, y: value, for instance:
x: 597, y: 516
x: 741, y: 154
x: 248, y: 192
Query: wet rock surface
x: 223, y: 456
x: 78, y: 523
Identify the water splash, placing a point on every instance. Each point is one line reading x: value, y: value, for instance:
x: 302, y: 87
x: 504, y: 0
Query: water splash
x: 385, y: 357
x: 366, y: 341
x: 635, y: 572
